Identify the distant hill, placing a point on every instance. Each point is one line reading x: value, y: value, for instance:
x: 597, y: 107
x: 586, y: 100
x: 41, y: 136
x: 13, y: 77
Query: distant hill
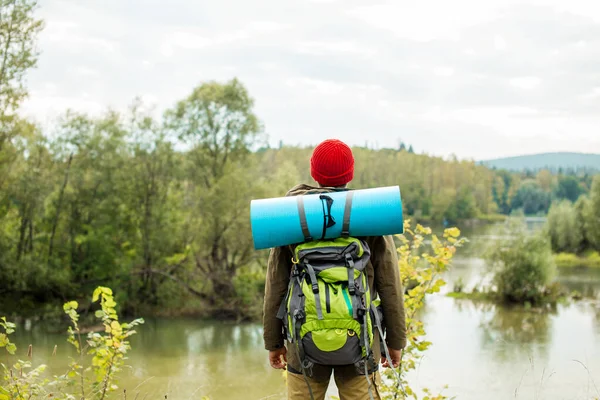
x: 551, y: 161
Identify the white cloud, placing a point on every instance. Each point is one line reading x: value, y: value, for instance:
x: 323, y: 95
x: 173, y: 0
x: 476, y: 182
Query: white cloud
x: 328, y: 47
x: 84, y: 71
x: 595, y: 93
x: 525, y: 82
x: 425, y: 20
x: 443, y: 71
x: 499, y: 42
x: 267, y: 26
x: 183, y: 40
x: 499, y: 77
x: 316, y: 86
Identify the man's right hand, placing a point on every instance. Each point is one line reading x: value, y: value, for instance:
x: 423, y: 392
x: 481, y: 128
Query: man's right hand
x: 395, y: 355
x: 278, y: 358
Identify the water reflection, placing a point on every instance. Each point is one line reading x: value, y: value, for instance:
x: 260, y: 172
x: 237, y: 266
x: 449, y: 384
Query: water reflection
x: 509, y: 330
x: 222, y: 360
x: 483, y: 350
x: 583, y: 280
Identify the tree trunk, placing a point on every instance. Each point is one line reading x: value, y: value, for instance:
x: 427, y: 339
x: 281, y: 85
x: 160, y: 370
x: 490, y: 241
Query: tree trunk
x: 22, y: 233
x: 224, y: 300
x: 59, y: 206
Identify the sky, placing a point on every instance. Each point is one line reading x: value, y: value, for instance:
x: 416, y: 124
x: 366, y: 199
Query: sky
x: 471, y: 78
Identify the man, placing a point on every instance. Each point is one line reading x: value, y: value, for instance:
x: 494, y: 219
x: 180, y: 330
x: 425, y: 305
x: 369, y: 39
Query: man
x: 332, y: 167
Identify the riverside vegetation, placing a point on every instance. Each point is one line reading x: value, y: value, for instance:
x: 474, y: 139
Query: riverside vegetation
x: 92, y: 375
x: 523, y: 264
x: 157, y: 207
x: 157, y: 210
x: 421, y: 268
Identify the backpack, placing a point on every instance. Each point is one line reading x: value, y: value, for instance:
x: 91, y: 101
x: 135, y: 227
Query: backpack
x: 327, y: 311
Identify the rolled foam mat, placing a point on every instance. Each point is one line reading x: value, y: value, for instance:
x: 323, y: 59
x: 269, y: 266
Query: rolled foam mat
x: 375, y: 212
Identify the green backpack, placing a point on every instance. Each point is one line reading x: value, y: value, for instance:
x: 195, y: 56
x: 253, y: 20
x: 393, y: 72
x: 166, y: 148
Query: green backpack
x: 327, y: 312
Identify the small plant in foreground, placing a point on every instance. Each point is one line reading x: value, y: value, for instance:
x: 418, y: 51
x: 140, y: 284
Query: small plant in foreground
x: 22, y: 381
x: 423, y: 264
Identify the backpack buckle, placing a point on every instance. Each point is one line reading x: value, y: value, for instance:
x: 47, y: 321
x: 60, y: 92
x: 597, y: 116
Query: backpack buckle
x: 349, y: 260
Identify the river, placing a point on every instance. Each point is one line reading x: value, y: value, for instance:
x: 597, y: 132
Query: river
x: 481, y: 351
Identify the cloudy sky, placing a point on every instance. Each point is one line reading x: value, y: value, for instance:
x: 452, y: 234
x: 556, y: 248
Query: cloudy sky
x: 479, y: 79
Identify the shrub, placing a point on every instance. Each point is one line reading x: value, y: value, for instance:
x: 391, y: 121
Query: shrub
x: 522, y: 264
x: 22, y: 381
x: 424, y: 265
x: 563, y: 230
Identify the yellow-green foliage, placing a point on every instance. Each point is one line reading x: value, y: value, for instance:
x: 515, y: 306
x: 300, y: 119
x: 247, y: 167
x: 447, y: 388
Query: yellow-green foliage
x: 421, y: 267
x: 107, y: 350
x: 569, y: 260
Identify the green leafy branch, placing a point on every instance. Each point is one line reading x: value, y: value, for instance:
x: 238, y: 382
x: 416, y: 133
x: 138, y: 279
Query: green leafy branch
x: 422, y: 259
x: 107, y: 350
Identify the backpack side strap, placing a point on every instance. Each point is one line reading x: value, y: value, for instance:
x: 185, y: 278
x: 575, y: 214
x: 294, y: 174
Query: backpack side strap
x: 303, y: 223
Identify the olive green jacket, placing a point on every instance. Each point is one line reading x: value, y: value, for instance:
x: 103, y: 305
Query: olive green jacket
x: 382, y: 273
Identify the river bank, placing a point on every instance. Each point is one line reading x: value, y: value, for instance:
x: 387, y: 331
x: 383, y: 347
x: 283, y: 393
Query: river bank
x: 569, y: 260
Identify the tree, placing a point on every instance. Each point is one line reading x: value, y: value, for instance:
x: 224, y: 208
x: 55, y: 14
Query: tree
x: 155, y: 197
x: 565, y: 234
x: 531, y: 198
x: 18, y: 32
x: 568, y: 188
x: 219, y: 126
x: 582, y: 223
x: 593, y: 215
x: 545, y: 180
x: 522, y: 264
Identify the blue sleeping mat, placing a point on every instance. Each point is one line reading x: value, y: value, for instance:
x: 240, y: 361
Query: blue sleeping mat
x: 372, y: 212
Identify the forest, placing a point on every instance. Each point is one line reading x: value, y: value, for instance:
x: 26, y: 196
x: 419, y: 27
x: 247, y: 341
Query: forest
x: 158, y: 207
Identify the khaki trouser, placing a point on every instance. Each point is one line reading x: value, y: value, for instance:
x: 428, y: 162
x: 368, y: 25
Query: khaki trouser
x: 350, y: 385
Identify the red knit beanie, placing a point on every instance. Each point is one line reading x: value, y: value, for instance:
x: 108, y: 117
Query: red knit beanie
x: 332, y: 163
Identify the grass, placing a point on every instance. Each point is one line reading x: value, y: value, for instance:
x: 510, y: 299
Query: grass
x: 492, y: 217
x: 569, y: 260
x: 474, y: 296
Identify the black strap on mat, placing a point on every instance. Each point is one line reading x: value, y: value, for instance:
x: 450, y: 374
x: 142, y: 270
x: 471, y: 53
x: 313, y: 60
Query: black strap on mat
x: 347, y: 209
x: 328, y: 220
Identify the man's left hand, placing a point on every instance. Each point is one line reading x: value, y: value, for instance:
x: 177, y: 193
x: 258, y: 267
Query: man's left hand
x: 395, y: 355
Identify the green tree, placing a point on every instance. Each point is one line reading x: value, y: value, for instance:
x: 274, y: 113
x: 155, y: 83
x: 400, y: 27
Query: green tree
x: 154, y: 196
x: 593, y: 215
x: 562, y: 226
x: 582, y: 222
x: 568, y: 188
x: 18, y: 33
x: 531, y: 198
x: 522, y: 265
x: 462, y: 207
x: 219, y: 126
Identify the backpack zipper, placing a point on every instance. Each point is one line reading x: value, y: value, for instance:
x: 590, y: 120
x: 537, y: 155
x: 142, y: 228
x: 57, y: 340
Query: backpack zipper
x: 327, y: 297
x: 348, y: 302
